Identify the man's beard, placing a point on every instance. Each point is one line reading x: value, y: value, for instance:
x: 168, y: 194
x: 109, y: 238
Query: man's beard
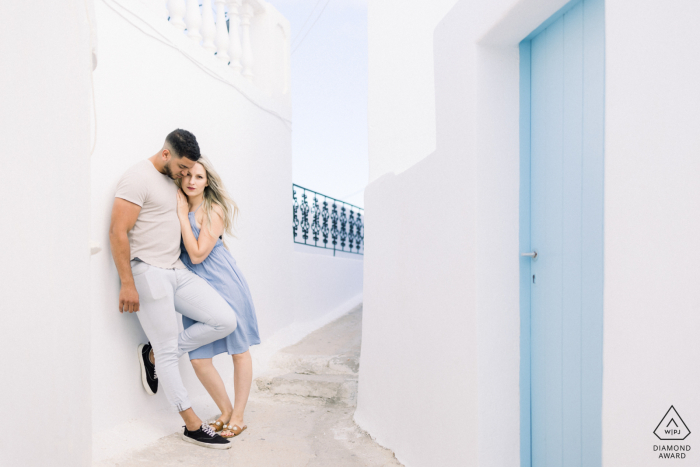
x: 169, y: 172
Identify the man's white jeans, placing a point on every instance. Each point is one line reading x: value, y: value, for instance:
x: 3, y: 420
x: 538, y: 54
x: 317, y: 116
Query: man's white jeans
x: 162, y: 293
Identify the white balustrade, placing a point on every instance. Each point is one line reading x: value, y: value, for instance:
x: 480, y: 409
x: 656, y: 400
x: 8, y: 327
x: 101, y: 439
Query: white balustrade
x: 208, y: 29
x: 163, y: 8
x: 221, y: 32
x: 193, y: 20
x: 247, y: 59
x: 232, y: 42
x: 176, y: 8
x: 235, y: 50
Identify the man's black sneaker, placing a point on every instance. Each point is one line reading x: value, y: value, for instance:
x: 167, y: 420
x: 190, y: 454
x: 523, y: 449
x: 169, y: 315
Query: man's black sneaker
x: 206, y: 437
x: 149, y: 378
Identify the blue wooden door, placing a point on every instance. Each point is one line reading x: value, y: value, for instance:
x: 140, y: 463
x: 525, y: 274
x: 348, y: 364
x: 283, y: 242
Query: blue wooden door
x: 565, y: 279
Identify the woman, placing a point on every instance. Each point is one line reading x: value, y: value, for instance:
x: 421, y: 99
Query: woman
x: 206, y: 213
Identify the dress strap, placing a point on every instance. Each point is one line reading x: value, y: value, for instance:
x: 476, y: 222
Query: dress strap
x: 200, y: 205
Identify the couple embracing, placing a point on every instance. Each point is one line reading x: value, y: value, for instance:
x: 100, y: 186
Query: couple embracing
x: 169, y: 252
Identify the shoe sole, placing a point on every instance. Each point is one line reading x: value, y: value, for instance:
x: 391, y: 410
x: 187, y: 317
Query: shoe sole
x: 205, y: 445
x: 144, y: 377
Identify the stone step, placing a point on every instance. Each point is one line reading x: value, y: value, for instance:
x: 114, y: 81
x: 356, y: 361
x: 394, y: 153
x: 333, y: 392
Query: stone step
x: 333, y: 389
x: 318, y: 364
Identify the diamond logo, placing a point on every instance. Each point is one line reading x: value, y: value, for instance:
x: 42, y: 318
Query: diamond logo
x: 672, y: 427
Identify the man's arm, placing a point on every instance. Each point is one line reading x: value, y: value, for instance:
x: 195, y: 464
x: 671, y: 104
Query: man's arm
x: 124, y: 215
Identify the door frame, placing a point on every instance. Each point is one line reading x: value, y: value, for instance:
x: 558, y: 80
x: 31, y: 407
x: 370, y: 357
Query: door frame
x: 525, y: 262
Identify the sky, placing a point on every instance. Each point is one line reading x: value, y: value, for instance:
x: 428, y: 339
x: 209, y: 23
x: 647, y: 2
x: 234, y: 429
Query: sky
x: 329, y: 95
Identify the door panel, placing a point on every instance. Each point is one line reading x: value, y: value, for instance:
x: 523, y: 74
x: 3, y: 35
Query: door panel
x: 566, y: 229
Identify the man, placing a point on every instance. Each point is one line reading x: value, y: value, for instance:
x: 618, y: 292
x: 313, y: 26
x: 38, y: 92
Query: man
x: 145, y: 240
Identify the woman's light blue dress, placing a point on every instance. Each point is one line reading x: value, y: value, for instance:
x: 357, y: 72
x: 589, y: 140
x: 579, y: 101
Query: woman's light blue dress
x: 219, y: 269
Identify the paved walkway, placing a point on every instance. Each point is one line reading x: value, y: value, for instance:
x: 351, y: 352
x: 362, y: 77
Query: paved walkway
x: 300, y: 415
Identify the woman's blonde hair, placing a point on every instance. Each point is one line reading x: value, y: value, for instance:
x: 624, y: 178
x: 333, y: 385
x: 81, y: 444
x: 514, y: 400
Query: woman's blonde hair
x: 215, y: 193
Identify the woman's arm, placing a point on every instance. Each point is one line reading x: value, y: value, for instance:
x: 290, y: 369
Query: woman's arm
x: 198, y: 249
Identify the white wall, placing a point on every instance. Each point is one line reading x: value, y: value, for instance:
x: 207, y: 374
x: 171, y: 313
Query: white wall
x: 652, y: 201
x: 440, y: 357
x: 651, y: 193
x: 324, y: 283
x: 401, y: 97
x: 417, y: 384
x: 145, y: 89
x: 45, y: 133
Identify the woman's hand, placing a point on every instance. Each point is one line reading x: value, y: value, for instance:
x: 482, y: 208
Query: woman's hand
x: 183, y: 208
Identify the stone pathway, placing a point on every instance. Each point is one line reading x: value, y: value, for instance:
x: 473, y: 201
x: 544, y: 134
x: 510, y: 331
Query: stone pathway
x: 300, y: 415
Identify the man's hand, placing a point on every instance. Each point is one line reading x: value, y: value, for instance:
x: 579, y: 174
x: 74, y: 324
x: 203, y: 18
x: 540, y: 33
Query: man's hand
x: 128, y: 298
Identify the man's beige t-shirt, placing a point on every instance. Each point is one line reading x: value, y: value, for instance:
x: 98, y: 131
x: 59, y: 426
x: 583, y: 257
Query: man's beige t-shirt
x: 155, y: 238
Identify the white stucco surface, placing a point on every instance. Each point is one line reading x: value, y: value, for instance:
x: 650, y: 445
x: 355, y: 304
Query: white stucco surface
x: 652, y: 200
x: 45, y: 133
x: 144, y: 90
x: 324, y: 283
x: 450, y: 317
x: 444, y: 319
x: 401, y: 97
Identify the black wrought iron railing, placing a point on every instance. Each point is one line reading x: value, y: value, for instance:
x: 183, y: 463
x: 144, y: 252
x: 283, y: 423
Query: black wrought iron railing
x: 325, y: 222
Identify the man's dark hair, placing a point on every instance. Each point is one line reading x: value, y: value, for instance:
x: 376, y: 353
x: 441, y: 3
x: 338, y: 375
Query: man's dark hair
x: 184, y: 144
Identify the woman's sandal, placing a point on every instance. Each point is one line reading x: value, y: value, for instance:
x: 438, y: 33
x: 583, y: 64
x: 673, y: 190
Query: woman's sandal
x: 217, y: 425
x: 234, y: 431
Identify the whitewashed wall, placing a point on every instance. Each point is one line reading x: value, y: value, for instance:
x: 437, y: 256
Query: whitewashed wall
x: 440, y: 356
x: 652, y: 226
x: 45, y: 131
x: 324, y: 283
x: 401, y: 99
x: 441, y: 324
x: 145, y: 89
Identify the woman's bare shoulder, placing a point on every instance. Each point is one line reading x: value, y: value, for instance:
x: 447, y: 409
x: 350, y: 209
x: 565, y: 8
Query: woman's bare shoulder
x: 216, y: 209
